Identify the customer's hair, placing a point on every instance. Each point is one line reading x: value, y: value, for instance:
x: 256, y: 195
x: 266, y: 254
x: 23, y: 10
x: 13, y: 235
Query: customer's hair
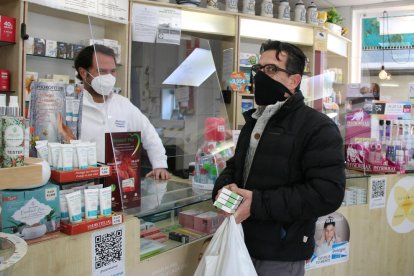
x: 295, y: 62
x: 85, y: 57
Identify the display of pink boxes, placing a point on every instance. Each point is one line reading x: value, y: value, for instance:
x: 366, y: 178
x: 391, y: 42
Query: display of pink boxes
x: 208, y: 222
x: 186, y: 218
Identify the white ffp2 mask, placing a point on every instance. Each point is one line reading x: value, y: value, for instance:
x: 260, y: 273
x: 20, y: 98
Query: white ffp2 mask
x: 103, y: 84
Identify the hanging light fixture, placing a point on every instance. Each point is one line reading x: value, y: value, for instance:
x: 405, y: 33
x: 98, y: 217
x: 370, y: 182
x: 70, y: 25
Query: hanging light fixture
x: 383, y: 75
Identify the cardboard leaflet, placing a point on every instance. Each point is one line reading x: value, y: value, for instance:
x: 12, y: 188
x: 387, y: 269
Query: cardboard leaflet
x: 125, y: 179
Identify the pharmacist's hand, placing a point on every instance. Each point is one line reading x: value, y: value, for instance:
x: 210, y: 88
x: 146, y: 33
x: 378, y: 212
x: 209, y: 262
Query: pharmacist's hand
x: 243, y: 211
x: 159, y: 174
x: 64, y: 130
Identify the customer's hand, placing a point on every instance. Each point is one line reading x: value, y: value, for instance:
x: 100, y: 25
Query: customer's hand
x: 159, y: 174
x: 243, y: 211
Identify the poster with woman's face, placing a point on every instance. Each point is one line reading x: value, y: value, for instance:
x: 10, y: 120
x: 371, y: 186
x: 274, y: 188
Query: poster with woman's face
x: 331, y: 241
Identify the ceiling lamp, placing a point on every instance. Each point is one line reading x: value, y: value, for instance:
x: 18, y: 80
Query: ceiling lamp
x: 383, y: 75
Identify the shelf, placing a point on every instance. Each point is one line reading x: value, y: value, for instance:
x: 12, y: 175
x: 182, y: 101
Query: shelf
x: 6, y: 43
x: 7, y: 91
x: 47, y: 57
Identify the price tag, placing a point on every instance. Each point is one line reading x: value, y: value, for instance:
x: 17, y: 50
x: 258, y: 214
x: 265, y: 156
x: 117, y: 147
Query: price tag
x: 104, y: 170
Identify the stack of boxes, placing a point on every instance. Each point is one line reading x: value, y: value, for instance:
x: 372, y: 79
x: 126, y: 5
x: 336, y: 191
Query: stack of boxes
x: 355, y: 196
x: 228, y: 201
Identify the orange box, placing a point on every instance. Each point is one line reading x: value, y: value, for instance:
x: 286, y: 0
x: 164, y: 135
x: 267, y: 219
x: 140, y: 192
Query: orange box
x: 80, y: 174
x: 90, y: 225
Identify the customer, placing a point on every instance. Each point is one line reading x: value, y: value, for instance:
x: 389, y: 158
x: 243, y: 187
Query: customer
x: 288, y: 166
x: 103, y: 111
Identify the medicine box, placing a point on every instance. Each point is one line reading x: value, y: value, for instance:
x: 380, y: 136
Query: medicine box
x: 32, y: 213
x: 208, y: 222
x: 186, y: 218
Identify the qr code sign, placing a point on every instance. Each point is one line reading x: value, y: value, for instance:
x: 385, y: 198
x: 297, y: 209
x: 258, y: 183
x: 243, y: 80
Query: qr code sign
x: 109, y: 251
x: 378, y: 188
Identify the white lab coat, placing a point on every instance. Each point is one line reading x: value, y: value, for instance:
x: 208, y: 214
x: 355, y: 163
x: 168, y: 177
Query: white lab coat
x: 118, y: 114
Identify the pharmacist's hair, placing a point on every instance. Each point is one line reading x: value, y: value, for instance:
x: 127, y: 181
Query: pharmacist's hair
x: 85, y: 57
x: 296, y: 59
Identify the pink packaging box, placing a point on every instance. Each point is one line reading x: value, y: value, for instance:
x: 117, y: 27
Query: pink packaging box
x: 186, y: 218
x: 208, y: 222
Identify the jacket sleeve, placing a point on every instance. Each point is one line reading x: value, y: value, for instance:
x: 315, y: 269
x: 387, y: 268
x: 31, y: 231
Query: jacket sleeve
x: 149, y: 136
x: 323, y: 189
x: 225, y: 177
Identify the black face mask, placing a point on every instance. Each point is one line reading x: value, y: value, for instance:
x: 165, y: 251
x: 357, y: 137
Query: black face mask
x: 267, y: 91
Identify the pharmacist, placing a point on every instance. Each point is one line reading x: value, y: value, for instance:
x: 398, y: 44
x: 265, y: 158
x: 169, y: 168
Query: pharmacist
x: 104, y: 111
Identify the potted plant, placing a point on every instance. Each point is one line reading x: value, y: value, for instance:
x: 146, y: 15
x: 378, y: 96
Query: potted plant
x: 333, y: 21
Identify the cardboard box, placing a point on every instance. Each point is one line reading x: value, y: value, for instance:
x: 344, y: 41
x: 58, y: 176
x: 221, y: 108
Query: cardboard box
x: 51, y: 48
x: 30, y: 214
x: 126, y: 193
x: 80, y: 174
x: 39, y: 46
x: 7, y: 29
x: 62, y: 50
x: 208, y: 222
x: 186, y: 218
x: 29, y: 46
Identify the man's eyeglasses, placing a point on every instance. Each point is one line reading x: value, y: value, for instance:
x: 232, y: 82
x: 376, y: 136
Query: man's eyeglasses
x: 269, y: 69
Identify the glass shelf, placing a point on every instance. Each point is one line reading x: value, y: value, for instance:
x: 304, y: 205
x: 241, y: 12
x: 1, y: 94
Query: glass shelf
x: 158, y: 197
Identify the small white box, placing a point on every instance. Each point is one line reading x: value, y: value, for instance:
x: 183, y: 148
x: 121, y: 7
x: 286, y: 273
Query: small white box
x: 51, y: 48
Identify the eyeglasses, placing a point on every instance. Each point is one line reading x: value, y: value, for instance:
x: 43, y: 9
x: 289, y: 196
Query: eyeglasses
x: 269, y: 69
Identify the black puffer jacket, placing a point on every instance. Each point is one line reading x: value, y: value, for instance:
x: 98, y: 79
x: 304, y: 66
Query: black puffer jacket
x: 297, y: 175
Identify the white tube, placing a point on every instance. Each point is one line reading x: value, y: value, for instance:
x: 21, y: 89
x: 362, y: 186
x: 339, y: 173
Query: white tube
x: 82, y: 151
x: 74, y: 206
x: 66, y: 151
x: 75, y: 153
x: 81, y: 189
x: 54, y: 152
x: 75, y: 109
x: 91, y: 203
x: 105, y: 203
x: 92, y: 161
x: 42, y: 151
x: 64, y: 211
x: 69, y: 108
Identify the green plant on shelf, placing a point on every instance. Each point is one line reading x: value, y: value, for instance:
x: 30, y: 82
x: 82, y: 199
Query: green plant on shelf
x: 333, y: 16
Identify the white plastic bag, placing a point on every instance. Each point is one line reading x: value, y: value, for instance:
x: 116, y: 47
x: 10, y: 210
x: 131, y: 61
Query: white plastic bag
x: 226, y: 255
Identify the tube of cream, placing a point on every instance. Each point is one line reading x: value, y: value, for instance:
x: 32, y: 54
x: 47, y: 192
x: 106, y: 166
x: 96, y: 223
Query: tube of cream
x: 64, y: 212
x: 75, y: 109
x: 92, y: 161
x: 66, y: 151
x: 54, y: 152
x: 74, y: 206
x: 69, y: 108
x: 105, y: 203
x: 91, y: 203
x: 75, y: 153
x: 82, y: 151
x: 81, y: 189
x: 42, y: 151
